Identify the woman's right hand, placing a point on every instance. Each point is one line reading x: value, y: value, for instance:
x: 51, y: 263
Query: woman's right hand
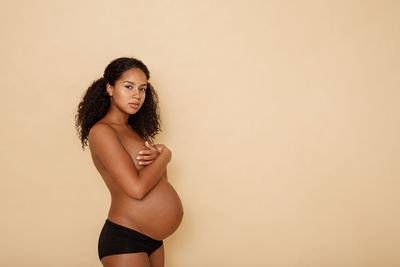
x: 163, y: 149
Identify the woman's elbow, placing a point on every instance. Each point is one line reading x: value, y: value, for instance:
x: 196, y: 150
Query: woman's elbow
x: 138, y: 193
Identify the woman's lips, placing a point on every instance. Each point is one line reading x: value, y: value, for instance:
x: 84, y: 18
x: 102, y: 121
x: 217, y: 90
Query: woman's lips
x: 134, y: 105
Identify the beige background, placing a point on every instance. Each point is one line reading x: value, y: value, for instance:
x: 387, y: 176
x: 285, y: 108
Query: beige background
x: 282, y: 116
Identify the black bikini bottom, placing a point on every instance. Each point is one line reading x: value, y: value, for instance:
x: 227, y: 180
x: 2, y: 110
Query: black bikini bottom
x: 118, y: 239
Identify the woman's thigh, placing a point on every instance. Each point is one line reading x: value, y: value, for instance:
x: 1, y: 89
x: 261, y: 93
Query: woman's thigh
x: 126, y: 260
x: 157, y: 257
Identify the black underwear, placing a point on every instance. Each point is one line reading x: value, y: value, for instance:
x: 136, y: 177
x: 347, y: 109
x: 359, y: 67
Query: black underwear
x: 118, y: 239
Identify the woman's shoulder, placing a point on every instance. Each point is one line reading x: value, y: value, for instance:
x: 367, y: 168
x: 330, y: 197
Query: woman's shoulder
x: 101, y: 130
x: 101, y: 126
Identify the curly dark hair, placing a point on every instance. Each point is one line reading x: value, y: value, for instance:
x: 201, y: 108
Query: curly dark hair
x: 96, y: 102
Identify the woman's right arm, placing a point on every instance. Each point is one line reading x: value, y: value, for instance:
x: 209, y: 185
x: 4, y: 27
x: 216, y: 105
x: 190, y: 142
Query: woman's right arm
x: 105, y: 144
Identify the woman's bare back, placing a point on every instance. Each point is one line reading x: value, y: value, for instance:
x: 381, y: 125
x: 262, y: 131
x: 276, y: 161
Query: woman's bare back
x: 159, y: 213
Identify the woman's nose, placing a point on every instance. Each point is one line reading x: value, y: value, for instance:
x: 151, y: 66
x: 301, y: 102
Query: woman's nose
x: 136, y: 91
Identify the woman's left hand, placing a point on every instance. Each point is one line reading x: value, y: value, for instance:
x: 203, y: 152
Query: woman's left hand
x: 147, y: 156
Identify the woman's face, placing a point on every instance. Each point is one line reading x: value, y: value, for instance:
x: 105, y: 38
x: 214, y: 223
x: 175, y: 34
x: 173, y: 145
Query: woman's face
x: 129, y: 91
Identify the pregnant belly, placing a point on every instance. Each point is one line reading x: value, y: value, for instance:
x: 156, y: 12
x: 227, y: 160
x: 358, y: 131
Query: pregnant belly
x: 165, y: 209
x: 158, y: 214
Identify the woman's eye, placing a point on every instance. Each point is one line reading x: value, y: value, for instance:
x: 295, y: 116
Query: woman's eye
x: 143, y: 89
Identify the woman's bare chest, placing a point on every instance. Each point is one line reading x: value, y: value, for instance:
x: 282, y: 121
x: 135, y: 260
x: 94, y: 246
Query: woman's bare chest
x: 132, y: 144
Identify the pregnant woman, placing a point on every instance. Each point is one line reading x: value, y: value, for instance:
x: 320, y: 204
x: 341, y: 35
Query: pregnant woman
x: 118, y: 118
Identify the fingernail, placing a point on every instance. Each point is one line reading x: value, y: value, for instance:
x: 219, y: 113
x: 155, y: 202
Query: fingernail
x: 140, y: 152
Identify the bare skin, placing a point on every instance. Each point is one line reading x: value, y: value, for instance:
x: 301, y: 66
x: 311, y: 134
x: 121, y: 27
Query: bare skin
x: 141, y: 196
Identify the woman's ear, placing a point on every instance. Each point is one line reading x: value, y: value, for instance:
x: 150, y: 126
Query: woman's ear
x: 109, y: 89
